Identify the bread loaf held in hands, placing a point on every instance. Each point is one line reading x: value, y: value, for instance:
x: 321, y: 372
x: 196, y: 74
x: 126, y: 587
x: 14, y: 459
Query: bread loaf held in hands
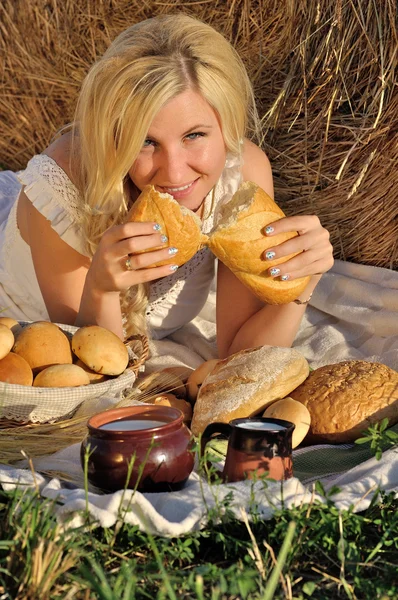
x: 245, y: 383
x: 237, y: 239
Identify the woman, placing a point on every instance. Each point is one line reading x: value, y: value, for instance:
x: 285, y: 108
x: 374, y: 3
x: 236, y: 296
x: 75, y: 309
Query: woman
x: 169, y: 104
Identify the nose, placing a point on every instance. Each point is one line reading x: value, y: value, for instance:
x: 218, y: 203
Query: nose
x: 172, y: 166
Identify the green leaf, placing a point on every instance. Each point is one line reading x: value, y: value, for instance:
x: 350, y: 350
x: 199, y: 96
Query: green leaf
x: 309, y: 588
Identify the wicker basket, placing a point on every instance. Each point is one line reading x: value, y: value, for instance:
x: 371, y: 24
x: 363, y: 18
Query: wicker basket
x: 24, y: 404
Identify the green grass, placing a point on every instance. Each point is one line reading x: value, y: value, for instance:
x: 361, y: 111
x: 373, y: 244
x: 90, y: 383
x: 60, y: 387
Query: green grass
x: 312, y: 551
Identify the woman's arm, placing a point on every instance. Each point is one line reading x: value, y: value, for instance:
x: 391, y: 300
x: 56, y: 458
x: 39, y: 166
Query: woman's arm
x: 77, y: 290
x: 244, y: 321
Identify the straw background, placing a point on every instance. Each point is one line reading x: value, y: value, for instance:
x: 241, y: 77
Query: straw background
x: 324, y: 74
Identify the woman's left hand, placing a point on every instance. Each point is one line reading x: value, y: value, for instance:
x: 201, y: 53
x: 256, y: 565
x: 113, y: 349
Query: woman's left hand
x: 313, y: 244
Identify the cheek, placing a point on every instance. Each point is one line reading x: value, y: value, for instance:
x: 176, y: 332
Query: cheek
x: 140, y: 172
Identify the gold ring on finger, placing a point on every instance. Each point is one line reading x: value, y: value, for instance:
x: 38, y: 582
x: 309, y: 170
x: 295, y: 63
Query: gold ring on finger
x: 128, y: 265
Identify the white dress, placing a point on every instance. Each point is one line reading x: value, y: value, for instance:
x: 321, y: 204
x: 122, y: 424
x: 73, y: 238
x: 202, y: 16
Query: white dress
x: 174, y: 300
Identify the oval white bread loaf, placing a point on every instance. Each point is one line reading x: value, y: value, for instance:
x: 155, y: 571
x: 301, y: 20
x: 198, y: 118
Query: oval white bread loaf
x: 181, y: 225
x: 61, y: 376
x: 43, y: 344
x: 246, y: 383
x: 293, y: 411
x: 100, y: 349
x: 345, y: 398
x: 15, y: 369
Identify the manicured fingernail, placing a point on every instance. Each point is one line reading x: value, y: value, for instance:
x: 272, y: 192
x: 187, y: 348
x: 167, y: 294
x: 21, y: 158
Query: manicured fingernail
x: 268, y: 229
x: 270, y: 255
x: 285, y: 277
x: 173, y: 267
x: 274, y: 271
x: 157, y: 227
x: 163, y: 239
x: 173, y: 250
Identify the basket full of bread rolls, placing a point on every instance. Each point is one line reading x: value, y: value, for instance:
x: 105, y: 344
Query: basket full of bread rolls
x: 47, y: 370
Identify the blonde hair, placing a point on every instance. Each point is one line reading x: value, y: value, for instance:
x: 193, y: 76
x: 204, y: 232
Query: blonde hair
x: 147, y: 65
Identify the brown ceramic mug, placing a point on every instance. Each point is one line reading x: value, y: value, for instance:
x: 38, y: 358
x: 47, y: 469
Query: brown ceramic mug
x: 154, y: 437
x: 256, y: 446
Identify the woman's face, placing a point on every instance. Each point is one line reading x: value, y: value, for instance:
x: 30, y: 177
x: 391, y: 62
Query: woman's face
x: 184, y: 153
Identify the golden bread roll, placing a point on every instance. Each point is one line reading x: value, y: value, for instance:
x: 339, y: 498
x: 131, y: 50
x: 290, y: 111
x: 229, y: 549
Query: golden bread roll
x: 198, y: 376
x: 15, y: 369
x: 245, y: 383
x: 11, y: 324
x: 293, y: 411
x: 43, y: 344
x: 180, y: 224
x: 345, y: 398
x: 100, y: 349
x: 92, y: 375
x: 6, y: 340
x: 61, y: 376
x: 180, y: 403
x: 239, y: 242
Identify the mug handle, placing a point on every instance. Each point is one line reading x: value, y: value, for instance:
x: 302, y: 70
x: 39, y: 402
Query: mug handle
x: 213, y: 428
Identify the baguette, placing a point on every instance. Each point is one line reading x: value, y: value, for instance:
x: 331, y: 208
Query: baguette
x: 237, y: 240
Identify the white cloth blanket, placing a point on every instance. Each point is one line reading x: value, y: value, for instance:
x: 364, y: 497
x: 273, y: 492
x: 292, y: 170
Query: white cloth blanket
x: 353, y: 315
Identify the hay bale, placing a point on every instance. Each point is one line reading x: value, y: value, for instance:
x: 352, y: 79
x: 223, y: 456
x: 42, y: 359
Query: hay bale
x: 324, y: 78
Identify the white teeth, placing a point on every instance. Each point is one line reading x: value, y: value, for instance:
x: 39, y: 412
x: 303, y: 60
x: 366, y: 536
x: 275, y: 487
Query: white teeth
x: 179, y: 189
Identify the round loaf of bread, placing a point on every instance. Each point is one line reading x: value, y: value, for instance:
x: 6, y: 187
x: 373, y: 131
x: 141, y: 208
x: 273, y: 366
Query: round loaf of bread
x: 196, y: 379
x: 100, y: 349
x: 61, y: 376
x: 6, y: 340
x: 11, y: 324
x: 92, y: 375
x: 15, y: 369
x: 43, y: 344
x: 245, y: 383
x: 293, y: 411
x: 181, y: 226
x: 345, y: 398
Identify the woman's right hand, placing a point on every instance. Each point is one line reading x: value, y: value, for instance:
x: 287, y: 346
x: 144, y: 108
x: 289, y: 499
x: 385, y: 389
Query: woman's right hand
x: 110, y: 269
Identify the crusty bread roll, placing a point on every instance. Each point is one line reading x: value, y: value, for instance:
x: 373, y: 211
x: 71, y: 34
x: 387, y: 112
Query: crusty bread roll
x: 11, y: 324
x: 293, y: 411
x: 238, y: 239
x: 6, y: 340
x: 43, y: 344
x: 345, y: 398
x: 174, y: 402
x: 239, y: 242
x: 92, y: 375
x: 15, y: 369
x: 180, y: 224
x: 100, y: 349
x: 61, y: 376
x: 246, y: 383
x: 198, y: 376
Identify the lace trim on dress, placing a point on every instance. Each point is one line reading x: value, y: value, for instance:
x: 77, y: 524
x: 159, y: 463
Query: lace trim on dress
x: 51, y: 191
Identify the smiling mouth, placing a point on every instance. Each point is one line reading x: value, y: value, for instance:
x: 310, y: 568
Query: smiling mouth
x: 171, y: 190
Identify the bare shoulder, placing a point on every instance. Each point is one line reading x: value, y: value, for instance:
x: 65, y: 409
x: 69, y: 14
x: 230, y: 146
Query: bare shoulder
x: 256, y: 167
x: 60, y: 151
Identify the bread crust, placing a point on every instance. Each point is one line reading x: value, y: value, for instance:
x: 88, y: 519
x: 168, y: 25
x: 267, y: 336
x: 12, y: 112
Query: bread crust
x: 179, y: 224
x: 246, y: 382
x: 345, y: 398
x: 239, y: 242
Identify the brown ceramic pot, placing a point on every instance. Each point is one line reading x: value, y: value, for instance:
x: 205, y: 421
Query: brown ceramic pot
x: 162, y: 450
x: 256, y: 447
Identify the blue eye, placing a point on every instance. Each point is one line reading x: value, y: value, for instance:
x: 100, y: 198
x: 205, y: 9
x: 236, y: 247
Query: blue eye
x: 195, y: 135
x: 148, y: 143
